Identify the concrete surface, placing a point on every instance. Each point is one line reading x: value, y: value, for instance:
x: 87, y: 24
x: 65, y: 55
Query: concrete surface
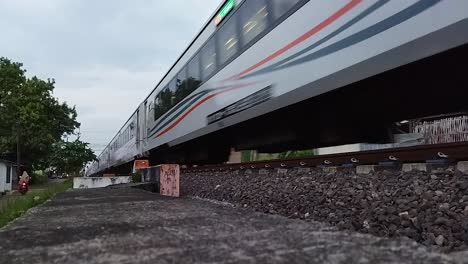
x: 365, y: 169
x: 124, y: 225
x: 99, y: 182
x: 462, y: 166
x: 409, y: 167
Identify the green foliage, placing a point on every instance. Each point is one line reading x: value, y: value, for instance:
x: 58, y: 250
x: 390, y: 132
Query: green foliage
x: 267, y: 156
x: 296, y: 154
x: 32, y: 115
x: 38, y: 177
x: 70, y: 157
x: 136, y: 177
x: 16, y: 206
x: 246, y: 156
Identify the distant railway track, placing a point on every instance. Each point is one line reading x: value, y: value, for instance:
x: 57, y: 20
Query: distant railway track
x: 437, y: 153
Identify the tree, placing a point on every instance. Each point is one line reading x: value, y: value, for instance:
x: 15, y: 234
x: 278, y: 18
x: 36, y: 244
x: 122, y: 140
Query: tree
x: 30, y: 116
x: 70, y: 157
x: 11, y: 79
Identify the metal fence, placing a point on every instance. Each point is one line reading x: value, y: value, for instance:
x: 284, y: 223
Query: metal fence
x: 445, y: 130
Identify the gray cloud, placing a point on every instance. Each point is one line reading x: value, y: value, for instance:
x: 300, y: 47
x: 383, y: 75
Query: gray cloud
x: 105, y: 56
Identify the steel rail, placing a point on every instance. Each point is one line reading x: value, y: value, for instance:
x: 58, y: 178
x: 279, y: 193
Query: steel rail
x: 449, y: 152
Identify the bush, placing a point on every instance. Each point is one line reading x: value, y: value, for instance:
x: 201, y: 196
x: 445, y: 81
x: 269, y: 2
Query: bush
x: 136, y: 177
x: 38, y: 177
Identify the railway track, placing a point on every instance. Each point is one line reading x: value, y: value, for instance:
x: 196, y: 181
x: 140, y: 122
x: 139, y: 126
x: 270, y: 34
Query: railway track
x: 427, y: 203
x: 446, y: 153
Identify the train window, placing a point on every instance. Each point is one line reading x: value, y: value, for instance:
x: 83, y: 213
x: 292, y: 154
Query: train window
x: 227, y: 40
x: 173, y: 88
x: 181, y: 77
x: 193, y: 68
x: 158, y: 109
x: 208, y: 59
x: 162, y: 102
x: 182, y: 86
x: 254, y: 19
x: 193, y: 72
x: 166, y: 99
x: 281, y: 7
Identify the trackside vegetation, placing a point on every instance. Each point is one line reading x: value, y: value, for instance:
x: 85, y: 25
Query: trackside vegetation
x: 34, y: 123
x: 15, y: 206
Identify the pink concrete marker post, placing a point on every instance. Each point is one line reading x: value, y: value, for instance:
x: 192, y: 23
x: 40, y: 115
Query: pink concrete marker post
x: 169, y: 180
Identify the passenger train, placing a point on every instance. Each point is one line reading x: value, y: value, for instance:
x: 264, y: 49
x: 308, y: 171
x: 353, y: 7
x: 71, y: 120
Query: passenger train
x: 279, y: 74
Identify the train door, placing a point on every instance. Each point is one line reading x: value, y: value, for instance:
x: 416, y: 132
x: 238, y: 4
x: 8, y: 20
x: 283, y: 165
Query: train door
x: 137, y: 132
x: 145, y: 123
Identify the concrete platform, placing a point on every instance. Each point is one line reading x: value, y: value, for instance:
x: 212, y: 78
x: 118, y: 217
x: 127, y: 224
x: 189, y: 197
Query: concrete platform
x: 99, y: 182
x: 125, y: 225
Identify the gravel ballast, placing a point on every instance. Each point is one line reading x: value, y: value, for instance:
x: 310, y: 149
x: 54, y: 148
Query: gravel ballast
x: 428, y: 207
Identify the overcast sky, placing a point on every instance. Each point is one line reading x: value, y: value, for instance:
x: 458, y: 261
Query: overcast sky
x: 105, y: 55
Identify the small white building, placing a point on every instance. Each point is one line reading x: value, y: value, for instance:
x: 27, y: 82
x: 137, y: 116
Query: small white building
x: 7, y: 175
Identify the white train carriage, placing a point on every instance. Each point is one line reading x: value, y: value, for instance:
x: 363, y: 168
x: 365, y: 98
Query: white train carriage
x: 257, y: 56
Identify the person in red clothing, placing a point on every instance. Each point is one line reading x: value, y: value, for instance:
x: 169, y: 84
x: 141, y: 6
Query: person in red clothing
x: 24, y: 178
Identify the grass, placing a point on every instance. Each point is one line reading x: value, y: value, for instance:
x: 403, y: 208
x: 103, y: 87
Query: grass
x: 15, y: 206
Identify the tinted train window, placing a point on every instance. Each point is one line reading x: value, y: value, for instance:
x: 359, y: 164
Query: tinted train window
x: 193, y: 68
x: 172, y: 88
x: 181, y: 77
x: 162, y: 102
x: 254, y: 19
x: 172, y: 85
x: 208, y: 59
x: 166, y: 99
x: 193, y: 71
x: 228, y: 41
x: 157, y: 108
x: 182, y: 86
x: 280, y: 7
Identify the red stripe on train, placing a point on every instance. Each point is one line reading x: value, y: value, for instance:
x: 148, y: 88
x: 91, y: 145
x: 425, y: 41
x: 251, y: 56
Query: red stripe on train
x: 350, y: 5
x: 297, y: 41
x: 197, y: 105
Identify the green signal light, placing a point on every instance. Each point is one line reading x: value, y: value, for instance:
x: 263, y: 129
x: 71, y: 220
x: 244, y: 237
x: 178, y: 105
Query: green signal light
x: 225, y: 10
